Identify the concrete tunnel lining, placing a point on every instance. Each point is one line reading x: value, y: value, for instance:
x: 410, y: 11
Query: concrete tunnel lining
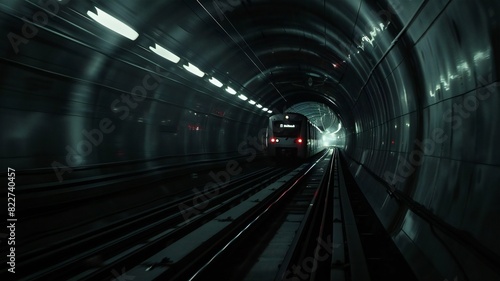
x: 415, y: 84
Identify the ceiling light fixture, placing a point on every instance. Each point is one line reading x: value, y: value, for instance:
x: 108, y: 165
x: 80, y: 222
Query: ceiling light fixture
x: 159, y: 50
x: 194, y: 70
x: 215, y: 82
x: 112, y: 23
x: 230, y: 90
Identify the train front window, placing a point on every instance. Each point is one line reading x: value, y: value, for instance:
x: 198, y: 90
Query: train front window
x: 286, y: 129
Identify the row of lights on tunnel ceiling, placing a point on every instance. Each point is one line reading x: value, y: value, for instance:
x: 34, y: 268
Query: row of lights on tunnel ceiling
x: 123, y: 29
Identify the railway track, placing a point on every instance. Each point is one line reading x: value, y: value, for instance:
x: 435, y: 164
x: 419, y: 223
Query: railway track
x: 89, y: 251
x: 209, y: 252
x: 309, y: 222
x: 318, y: 226
x: 274, y: 244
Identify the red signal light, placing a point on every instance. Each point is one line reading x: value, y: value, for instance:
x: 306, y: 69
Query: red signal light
x: 299, y: 140
x: 273, y: 140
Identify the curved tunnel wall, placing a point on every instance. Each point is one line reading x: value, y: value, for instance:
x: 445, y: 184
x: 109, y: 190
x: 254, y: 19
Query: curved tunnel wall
x: 68, y: 106
x: 424, y: 122
x: 428, y: 126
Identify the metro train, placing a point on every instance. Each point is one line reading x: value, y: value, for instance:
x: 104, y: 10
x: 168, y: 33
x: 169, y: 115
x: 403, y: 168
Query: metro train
x: 292, y: 135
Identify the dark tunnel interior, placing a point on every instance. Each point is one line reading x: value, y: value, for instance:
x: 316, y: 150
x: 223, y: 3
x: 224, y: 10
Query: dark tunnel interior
x: 408, y: 89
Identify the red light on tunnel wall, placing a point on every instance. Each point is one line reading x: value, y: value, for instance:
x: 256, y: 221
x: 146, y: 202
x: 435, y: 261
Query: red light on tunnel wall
x: 273, y: 140
x: 192, y: 127
x: 299, y: 140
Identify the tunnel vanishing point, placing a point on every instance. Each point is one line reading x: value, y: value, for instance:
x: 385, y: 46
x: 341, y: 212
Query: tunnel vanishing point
x: 91, y: 88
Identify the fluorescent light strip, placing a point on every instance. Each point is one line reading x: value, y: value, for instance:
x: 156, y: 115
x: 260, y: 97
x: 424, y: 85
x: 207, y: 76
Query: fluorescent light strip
x: 258, y: 105
x: 194, y: 70
x: 159, y: 50
x: 265, y: 109
x: 252, y: 102
x: 269, y: 111
x: 112, y: 23
x: 230, y: 90
x: 242, y: 97
x: 216, y: 82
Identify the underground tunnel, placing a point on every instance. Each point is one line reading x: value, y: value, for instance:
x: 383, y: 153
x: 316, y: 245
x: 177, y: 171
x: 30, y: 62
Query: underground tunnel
x: 109, y: 109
